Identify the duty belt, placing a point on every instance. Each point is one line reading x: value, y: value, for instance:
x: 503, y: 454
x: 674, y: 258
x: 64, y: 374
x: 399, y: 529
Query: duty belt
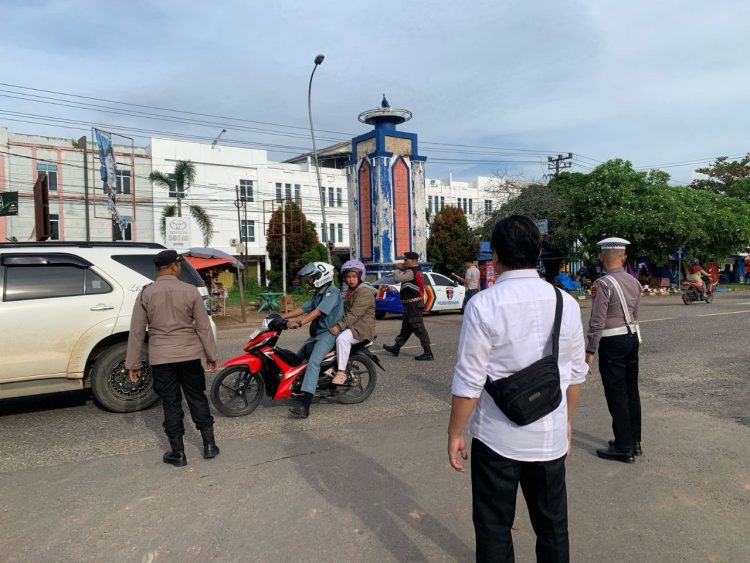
x: 412, y: 300
x: 627, y: 329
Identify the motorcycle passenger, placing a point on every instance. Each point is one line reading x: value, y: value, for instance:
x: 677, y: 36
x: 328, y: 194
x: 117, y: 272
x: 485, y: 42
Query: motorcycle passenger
x: 323, y: 310
x: 358, y: 323
x: 696, y: 273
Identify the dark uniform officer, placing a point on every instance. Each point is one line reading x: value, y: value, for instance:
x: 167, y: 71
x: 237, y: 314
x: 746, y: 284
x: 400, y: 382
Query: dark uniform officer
x: 180, y: 335
x: 412, y: 297
x: 613, y: 329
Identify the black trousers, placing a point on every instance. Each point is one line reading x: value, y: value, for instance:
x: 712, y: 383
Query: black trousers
x: 618, y: 365
x: 170, y: 382
x: 494, y: 486
x: 413, y: 323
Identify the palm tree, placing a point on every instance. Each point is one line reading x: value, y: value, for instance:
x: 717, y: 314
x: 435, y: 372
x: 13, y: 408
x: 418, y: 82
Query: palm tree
x: 180, y: 181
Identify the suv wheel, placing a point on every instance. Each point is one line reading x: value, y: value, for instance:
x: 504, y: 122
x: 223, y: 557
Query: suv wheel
x: 111, y: 386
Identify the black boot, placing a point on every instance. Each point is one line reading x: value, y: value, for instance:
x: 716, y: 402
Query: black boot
x: 395, y: 349
x: 425, y: 356
x: 177, y: 456
x: 616, y: 454
x: 210, y: 449
x: 303, y: 410
x: 637, y: 449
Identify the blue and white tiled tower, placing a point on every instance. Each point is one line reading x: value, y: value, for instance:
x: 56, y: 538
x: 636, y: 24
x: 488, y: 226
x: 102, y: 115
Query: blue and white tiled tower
x: 386, y: 192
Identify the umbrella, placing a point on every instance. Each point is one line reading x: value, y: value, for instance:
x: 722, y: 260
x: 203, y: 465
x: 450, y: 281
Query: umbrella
x: 214, y: 253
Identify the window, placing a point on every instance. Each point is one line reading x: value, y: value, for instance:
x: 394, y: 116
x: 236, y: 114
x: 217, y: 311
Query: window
x: 442, y: 203
x: 119, y: 234
x: 441, y: 280
x: 123, y: 181
x: 46, y: 280
x: 471, y: 206
x: 297, y: 189
x: 330, y: 197
x: 332, y: 229
x: 488, y: 206
x: 278, y: 191
x: 247, y: 231
x: 51, y: 171
x: 341, y: 232
x: 429, y: 203
x: 324, y: 232
x: 339, y: 198
x: 144, y: 265
x: 173, y: 187
x: 54, y: 227
x: 288, y: 191
x: 246, y: 190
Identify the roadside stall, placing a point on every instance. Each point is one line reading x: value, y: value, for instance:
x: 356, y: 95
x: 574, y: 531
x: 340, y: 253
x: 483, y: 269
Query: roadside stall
x: 210, y: 264
x: 486, y: 269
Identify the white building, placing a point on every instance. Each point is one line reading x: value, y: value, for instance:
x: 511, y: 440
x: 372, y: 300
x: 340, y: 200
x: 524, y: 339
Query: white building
x: 261, y: 183
x: 477, y: 198
x: 23, y: 158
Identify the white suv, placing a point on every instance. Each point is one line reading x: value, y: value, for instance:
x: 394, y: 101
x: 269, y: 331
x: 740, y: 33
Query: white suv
x: 65, y: 311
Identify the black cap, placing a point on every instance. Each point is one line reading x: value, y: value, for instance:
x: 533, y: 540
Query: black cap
x: 469, y: 259
x: 165, y: 258
x: 411, y: 255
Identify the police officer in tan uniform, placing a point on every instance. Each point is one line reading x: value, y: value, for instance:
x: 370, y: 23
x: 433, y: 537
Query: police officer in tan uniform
x: 614, y: 333
x: 179, y: 336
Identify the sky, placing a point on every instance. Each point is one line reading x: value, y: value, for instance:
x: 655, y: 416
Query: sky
x: 494, y: 87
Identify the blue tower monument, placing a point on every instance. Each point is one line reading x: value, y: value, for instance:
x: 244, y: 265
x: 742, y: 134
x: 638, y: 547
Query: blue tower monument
x: 386, y: 182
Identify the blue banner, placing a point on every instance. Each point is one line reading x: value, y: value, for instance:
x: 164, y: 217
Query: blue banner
x: 108, y: 172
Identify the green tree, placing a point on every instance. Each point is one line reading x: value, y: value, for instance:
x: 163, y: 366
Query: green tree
x: 180, y: 181
x: 538, y: 201
x: 451, y: 240
x: 301, y: 239
x: 726, y: 177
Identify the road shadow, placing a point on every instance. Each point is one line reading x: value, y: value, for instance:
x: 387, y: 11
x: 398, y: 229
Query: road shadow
x: 49, y: 401
x: 384, y: 504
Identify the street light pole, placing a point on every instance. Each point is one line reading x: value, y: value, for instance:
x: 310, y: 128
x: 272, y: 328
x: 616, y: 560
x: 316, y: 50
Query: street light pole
x: 318, y: 61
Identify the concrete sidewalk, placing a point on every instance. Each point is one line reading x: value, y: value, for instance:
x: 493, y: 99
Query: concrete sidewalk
x: 382, y: 491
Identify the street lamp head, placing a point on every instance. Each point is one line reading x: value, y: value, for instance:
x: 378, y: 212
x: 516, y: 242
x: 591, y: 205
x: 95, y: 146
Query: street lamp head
x: 319, y: 59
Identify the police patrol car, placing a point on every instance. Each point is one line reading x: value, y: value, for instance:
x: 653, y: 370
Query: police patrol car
x: 441, y: 294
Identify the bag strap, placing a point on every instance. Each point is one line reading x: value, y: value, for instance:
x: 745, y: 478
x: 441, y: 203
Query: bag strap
x: 624, y: 305
x: 558, y: 322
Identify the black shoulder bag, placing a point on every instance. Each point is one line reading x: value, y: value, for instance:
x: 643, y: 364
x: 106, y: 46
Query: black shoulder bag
x: 533, y: 392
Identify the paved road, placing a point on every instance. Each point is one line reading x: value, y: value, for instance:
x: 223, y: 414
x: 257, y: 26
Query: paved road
x: 370, y: 482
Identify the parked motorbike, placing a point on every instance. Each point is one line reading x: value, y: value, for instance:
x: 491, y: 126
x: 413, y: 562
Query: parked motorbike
x: 265, y: 369
x: 692, y: 291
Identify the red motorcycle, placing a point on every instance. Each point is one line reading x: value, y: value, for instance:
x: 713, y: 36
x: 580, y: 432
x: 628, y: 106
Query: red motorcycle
x: 265, y: 369
x: 693, y: 291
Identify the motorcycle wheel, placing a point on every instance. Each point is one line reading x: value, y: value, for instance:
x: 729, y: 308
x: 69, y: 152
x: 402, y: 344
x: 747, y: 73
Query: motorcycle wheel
x: 237, y: 392
x: 686, y: 299
x: 361, y: 378
x: 709, y: 297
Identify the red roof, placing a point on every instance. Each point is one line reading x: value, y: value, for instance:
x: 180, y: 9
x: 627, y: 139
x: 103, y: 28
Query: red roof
x: 204, y: 263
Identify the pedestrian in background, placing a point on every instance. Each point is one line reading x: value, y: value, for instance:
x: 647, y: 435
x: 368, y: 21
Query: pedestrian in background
x: 614, y: 332
x: 507, y: 328
x: 179, y: 335
x: 412, y: 297
x: 470, y: 280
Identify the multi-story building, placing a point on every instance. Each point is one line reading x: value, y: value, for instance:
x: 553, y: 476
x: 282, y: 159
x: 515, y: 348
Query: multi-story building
x: 477, y: 198
x: 222, y: 172
x: 23, y: 158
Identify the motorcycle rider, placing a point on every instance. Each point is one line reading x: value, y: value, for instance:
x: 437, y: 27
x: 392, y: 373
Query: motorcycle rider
x: 358, y: 323
x: 696, y: 273
x: 323, y: 310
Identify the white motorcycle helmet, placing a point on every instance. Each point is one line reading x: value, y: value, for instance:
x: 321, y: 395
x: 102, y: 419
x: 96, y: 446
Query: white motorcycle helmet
x: 319, y: 273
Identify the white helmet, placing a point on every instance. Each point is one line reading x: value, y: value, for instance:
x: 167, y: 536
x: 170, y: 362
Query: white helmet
x: 320, y: 272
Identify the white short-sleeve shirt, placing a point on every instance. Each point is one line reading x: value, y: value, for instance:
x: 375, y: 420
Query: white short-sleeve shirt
x: 505, y: 329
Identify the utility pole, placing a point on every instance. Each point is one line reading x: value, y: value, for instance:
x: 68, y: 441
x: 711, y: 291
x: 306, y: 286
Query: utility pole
x: 241, y: 272
x: 82, y: 145
x: 283, y: 248
x: 559, y: 163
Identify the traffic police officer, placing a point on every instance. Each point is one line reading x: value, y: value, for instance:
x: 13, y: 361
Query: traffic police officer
x: 412, y: 297
x: 179, y: 334
x: 614, y: 331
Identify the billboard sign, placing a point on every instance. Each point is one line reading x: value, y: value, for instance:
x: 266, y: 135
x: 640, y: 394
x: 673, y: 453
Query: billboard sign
x: 178, y: 232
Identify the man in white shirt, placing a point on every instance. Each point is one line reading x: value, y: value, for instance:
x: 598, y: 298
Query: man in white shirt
x: 510, y: 327
x: 470, y: 280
